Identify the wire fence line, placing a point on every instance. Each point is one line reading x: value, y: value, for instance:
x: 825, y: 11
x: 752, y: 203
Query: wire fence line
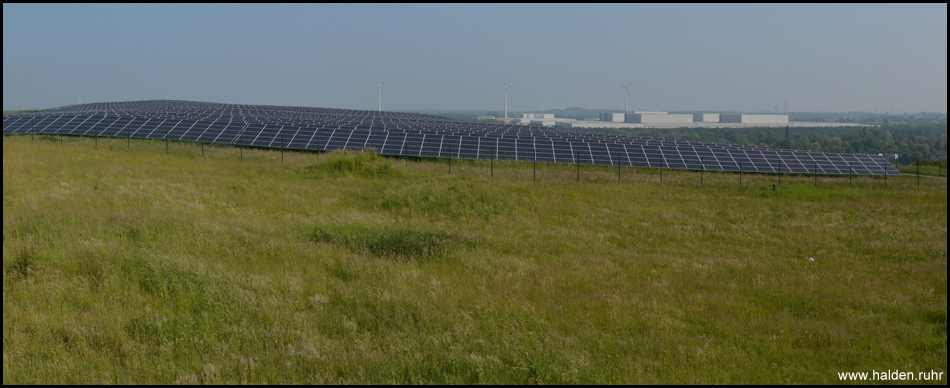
x: 519, y: 168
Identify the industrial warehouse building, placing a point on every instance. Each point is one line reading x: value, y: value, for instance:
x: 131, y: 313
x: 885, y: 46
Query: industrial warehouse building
x: 705, y: 117
x: 658, y: 118
x: 753, y: 119
x: 614, y: 117
x: 668, y: 118
x: 646, y: 119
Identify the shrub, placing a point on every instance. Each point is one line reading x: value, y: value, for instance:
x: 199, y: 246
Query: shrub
x: 367, y: 163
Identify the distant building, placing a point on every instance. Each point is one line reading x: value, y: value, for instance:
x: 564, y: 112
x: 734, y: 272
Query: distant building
x: 614, y: 117
x: 595, y: 124
x: 753, y: 119
x: 537, y: 116
x: 529, y: 121
x: 658, y: 118
x: 705, y: 117
x: 545, y: 119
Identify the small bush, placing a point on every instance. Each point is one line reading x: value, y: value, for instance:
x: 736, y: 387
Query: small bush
x: 24, y: 263
x: 367, y: 163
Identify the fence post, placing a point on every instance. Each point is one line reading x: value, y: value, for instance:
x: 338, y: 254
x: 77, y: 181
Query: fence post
x: 491, y: 161
x: 816, y: 174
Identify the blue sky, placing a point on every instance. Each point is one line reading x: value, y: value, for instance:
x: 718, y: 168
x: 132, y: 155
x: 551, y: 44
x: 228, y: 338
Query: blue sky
x: 830, y: 58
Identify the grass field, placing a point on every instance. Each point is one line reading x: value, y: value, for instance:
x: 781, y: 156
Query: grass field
x: 122, y: 264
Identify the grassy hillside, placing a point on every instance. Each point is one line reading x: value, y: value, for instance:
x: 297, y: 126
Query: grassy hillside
x: 133, y: 266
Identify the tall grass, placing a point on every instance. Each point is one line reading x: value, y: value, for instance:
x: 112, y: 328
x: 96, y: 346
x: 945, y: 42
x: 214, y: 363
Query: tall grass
x: 132, y: 266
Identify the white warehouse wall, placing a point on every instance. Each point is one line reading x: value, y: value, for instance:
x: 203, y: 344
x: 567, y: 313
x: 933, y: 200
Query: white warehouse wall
x: 651, y: 118
x: 705, y: 117
x: 614, y: 117
x: 753, y: 119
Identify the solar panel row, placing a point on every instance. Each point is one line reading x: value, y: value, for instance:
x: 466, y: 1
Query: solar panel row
x: 412, y: 134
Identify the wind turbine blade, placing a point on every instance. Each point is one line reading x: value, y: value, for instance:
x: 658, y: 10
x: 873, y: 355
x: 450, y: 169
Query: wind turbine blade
x: 628, y: 85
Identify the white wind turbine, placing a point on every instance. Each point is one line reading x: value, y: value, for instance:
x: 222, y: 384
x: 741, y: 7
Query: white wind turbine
x: 627, y: 88
x: 380, y: 94
x: 506, y: 96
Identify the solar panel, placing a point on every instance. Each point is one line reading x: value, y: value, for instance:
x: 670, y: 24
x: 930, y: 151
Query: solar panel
x: 396, y: 133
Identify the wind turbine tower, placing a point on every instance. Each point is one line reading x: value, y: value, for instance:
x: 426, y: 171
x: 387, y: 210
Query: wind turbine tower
x: 506, y: 96
x: 380, y: 94
x: 627, y: 88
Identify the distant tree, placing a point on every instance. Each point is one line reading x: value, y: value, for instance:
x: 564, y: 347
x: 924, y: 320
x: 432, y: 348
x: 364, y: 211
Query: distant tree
x: 833, y: 144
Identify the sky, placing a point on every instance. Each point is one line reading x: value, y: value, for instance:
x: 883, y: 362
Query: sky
x: 749, y: 58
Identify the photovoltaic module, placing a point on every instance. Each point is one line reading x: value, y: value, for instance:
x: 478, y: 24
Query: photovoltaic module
x: 413, y: 134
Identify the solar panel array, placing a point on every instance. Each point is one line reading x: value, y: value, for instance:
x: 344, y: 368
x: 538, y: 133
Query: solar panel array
x: 412, y: 134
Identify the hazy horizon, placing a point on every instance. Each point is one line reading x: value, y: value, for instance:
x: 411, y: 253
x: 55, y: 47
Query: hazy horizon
x: 750, y: 58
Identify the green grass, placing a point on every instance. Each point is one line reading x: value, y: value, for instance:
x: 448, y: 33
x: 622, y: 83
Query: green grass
x: 132, y: 266
x: 932, y: 171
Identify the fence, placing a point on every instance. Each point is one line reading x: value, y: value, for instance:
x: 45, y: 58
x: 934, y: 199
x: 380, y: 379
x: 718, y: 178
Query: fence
x: 554, y: 169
